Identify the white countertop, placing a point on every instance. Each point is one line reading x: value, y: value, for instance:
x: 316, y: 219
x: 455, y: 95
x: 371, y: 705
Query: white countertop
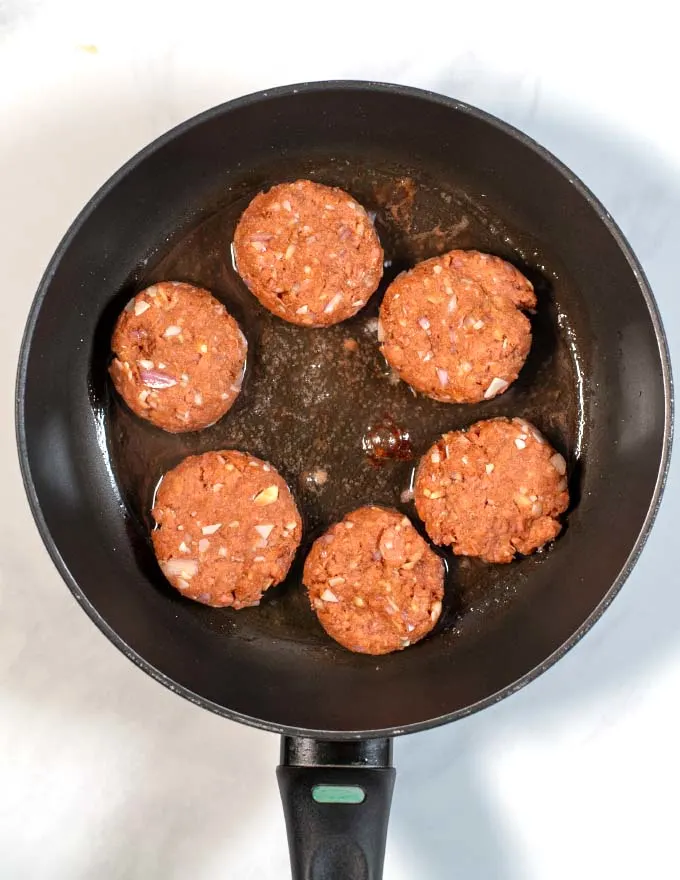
x: 103, y: 773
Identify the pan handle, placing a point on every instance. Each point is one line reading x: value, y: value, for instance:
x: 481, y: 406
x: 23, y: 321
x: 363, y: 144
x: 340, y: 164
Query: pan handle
x: 336, y: 800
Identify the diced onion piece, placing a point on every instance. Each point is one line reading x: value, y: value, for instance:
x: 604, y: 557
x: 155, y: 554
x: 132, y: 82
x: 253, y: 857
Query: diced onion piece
x: 332, y: 303
x: 558, y: 462
x: 264, y: 531
x: 185, y: 568
x: 496, y: 386
x: 156, y: 379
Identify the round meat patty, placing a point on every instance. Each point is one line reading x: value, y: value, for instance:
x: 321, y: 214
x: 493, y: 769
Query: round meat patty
x: 493, y: 490
x: 179, y: 357
x: 451, y: 326
x: 227, y: 528
x: 308, y: 252
x: 374, y: 583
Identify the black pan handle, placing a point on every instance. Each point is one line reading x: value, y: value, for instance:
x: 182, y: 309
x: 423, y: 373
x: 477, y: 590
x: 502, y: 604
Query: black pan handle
x: 336, y: 799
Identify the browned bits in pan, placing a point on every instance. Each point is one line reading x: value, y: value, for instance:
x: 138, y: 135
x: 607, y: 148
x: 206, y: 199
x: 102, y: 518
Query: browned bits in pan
x: 385, y: 440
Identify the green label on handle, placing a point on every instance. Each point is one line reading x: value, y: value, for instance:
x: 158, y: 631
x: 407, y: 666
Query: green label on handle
x: 338, y: 794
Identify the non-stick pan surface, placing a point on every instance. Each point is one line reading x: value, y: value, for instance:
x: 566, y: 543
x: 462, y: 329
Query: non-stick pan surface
x: 438, y: 174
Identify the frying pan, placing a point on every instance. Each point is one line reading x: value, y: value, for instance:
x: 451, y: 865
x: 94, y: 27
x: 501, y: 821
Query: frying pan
x: 438, y: 174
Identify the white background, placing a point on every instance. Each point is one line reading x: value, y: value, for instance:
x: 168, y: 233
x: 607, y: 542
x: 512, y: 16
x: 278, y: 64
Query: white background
x: 103, y: 773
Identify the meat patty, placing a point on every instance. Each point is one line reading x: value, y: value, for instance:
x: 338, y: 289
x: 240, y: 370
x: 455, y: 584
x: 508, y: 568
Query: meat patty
x: 179, y: 357
x: 308, y: 252
x: 492, y: 491
x: 374, y: 583
x: 227, y: 528
x: 451, y: 326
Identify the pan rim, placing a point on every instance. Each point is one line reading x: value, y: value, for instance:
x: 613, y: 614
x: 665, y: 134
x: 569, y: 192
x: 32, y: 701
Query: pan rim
x: 289, y: 91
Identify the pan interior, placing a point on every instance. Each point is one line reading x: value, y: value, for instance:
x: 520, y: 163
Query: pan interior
x: 437, y: 176
x: 310, y: 405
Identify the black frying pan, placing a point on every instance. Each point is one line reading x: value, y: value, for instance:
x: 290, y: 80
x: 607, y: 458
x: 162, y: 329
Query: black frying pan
x: 438, y: 174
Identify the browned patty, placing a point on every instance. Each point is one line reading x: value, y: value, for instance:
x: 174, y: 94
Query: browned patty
x: 308, y: 252
x: 493, y: 490
x: 375, y: 584
x: 179, y: 357
x: 228, y: 528
x: 451, y: 326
